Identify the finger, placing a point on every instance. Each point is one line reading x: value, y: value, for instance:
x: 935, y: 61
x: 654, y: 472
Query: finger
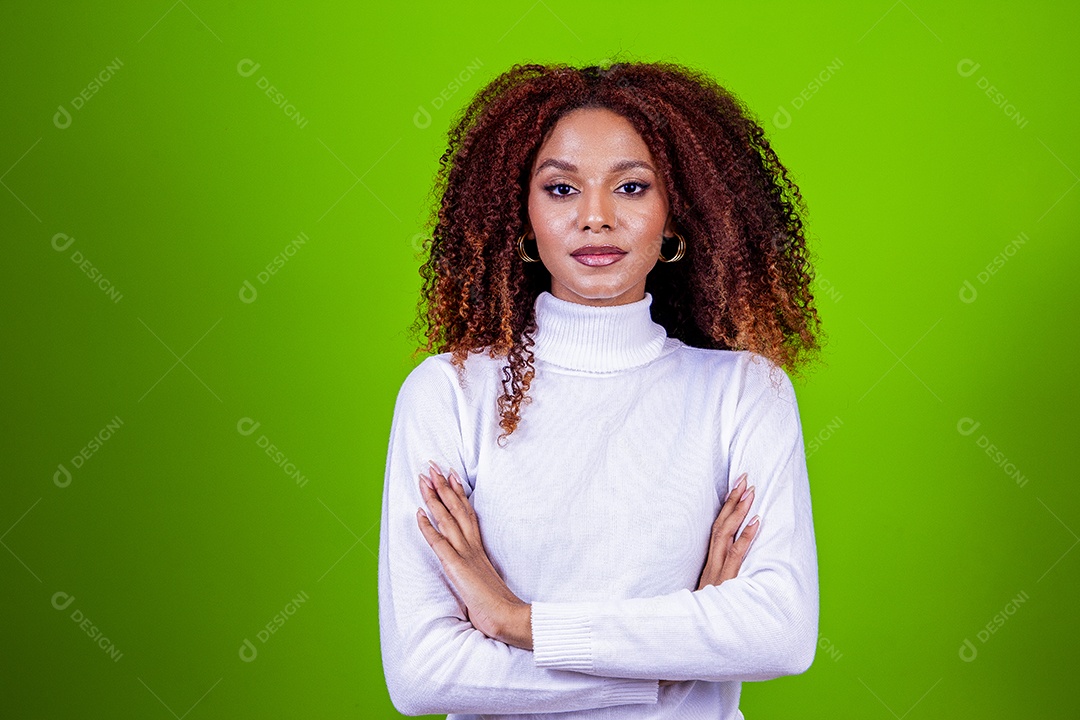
x: 447, y: 523
x: 733, y: 497
x: 470, y: 523
x: 728, y: 523
x: 442, y: 547
x: 735, y: 556
x: 455, y: 501
x: 453, y: 497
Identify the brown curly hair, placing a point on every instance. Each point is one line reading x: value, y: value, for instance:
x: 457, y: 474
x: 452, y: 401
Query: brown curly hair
x: 744, y: 283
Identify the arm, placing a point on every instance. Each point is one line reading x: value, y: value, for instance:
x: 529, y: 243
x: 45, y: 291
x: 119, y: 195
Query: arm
x: 759, y: 625
x: 435, y: 661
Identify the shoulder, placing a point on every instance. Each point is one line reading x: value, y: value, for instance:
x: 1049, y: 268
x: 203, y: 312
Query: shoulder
x: 764, y: 386
x: 429, y: 384
x: 738, y: 367
x: 428, y: 374
x: 437, y: 377
x: 744, y: 374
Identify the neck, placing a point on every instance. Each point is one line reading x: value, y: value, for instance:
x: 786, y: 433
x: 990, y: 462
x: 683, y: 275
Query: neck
x: 596, y: 338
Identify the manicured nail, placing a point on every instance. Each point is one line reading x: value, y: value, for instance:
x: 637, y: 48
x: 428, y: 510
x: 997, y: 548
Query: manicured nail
x: 739, y: 484
x: 427, y: 481
x: 747, y: 494
x: 753, y: 521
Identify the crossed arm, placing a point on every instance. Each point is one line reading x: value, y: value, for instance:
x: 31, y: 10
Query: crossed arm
x: 756, y: 626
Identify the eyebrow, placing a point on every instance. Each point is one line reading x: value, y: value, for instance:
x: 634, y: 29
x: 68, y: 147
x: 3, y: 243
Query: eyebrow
x: 617, y: 167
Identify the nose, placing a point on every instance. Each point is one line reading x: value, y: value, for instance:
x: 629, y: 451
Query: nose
x: 598, y: 210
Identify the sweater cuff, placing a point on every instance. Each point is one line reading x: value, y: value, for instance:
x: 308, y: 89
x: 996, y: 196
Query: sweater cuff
x: 562, y: 639
x: 562, y: 635
x: 627, y: 691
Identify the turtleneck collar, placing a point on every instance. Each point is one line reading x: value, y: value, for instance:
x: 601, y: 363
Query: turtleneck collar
x: 595, y: 338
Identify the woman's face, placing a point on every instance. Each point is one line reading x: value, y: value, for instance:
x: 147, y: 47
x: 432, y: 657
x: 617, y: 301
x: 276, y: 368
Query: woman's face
x: 594, y: 183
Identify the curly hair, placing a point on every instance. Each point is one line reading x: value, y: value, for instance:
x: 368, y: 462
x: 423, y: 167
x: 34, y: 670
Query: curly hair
x: 744, y: 283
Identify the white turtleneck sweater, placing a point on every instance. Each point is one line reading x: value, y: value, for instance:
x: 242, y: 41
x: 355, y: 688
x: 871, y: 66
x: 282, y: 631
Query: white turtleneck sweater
x: 599, y: 512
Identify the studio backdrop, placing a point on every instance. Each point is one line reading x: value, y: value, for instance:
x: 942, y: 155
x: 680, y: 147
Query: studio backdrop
x: 212, y: 215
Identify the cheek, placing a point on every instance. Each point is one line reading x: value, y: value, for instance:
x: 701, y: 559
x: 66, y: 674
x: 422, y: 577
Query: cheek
x: 651, y: 216
x: 545, y: 216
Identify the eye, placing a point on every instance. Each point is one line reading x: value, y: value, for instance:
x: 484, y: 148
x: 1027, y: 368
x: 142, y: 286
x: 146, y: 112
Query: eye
x: 549, y: 188
x: 633, y: 183
x: 639, y: 188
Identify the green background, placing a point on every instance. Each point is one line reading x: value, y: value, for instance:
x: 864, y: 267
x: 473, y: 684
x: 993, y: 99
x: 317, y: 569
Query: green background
x: 179, y: 180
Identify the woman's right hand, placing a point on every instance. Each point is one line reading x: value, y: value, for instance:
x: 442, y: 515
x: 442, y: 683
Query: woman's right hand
x: 726, y: 553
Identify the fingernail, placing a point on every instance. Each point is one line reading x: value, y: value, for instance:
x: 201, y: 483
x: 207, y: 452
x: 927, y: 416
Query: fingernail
x: 753, y: 521
x: 427, y: 481
x: 746, y: 494
x: 739, y: 483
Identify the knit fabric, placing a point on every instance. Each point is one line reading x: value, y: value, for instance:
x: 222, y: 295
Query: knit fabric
x: 598, y: 511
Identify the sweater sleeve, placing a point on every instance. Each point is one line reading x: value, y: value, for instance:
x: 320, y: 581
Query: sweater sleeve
x: 760, y: 625
x: 434, y: 660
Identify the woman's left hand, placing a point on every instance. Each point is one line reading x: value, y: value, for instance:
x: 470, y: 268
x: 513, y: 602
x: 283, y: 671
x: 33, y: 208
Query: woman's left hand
x: 490, y: 606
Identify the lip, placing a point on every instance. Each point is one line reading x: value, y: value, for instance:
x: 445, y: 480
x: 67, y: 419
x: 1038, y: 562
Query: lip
x: 598, y: 250
x: 599, y: 260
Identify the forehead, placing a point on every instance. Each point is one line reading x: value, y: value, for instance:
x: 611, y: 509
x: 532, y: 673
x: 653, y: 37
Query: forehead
x: 593, y: 136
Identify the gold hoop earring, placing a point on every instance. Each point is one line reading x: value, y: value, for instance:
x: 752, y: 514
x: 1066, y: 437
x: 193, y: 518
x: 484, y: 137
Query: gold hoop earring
x: 678, y: 253
x: 521, y: 249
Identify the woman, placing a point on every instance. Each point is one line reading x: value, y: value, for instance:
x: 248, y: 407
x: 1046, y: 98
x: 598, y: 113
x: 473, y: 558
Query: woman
x: 617, y: 277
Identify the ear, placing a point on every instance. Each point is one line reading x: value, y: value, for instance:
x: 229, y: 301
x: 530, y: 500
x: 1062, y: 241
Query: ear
x: 669, y: 226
